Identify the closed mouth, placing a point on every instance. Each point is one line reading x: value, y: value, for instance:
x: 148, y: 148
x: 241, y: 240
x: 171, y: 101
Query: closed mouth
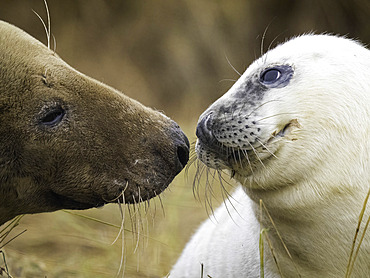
x: 284, y: 131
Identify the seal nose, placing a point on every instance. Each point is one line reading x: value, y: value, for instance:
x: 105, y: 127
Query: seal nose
x: 204, y: 129
x: 182, y: 147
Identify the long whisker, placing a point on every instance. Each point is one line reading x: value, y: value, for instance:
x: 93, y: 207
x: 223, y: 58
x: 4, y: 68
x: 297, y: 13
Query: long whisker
x: 121, y: 231
x: 256, y: 153
x: 46, y: 25
x: 248, y: 160
x: 266, y: 148
x: 228, y: 61
x: 209, y: 189
x: 261, y: 105
x: 240, y: 159
x: 228, y: 79
x: 278, y: 114
x: 201, y: 168
x: 263, y: 39
x: 271, y: 43
x: 139, y: 225
x: 161, y: 203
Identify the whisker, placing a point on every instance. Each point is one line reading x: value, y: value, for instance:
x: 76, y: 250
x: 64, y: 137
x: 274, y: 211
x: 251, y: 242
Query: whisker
x: 54, y: 44
x: 240, y: 159
x: 248, y: 160
x: 266, y: 124
x: 224, y: 180
x: 122, y: 222
x: 256, y: 153
x: 278, y: 114
x: 201, y: 167
x: 241, y: 109
x: 223, y: 188
x: 258, y: 107
x: 47, y: 25
x: 132, y: 214
x: 160, y: 201
x: 146, y: 206
x: 263, y: 39
x: 227, y: 197
x: 228, y: 79
x: 122, y: 233
x: 209, y: 189
x: 139, y: 220
x: 192, y: 155
x: 139, y: 193
x: 276, y: 37
x: 228, y: 61
x: 209, y: 192
x: 138, y: 223
x: 266, y: 148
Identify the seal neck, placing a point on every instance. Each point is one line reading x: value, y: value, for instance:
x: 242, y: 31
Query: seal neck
x: 309, y: 232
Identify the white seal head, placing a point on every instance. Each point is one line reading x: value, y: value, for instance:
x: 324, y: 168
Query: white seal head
x: 294, y: 131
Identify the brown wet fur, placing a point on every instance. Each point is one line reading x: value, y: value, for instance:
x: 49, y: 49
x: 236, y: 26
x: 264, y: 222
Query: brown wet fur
x: 103, y: 144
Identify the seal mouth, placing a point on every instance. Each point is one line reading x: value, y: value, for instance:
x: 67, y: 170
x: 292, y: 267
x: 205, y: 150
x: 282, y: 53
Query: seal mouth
x: 70, y: 203
x: 282, y: 132
x: 133, y: 190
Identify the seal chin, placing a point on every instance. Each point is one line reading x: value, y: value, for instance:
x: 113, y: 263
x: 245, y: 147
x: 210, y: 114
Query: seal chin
x: 70, y: 203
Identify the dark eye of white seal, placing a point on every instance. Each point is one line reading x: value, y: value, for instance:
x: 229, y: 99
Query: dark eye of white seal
x: 271, y: 75
x: 295, y: 135
x: 277, y: 76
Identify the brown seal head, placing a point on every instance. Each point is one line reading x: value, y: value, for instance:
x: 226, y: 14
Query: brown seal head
x: 68, y: 141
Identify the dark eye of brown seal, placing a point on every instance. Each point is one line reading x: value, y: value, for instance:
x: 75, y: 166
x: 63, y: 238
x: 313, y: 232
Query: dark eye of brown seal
x: 53, y: 117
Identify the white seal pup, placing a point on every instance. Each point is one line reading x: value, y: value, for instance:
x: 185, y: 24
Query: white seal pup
x: 294, y: 131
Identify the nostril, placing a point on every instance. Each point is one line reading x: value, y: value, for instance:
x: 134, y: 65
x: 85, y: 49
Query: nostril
x: 181, y: 147
x: 183, y: 155
x: 204, y: 129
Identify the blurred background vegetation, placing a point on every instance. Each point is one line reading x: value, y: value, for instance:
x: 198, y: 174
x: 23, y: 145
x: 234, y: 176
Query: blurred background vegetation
x: 173, y: 56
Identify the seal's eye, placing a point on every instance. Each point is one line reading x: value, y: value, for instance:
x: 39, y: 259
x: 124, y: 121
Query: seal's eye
x: 276, y: 76
x: 269, y: 76
x: 53, y: 116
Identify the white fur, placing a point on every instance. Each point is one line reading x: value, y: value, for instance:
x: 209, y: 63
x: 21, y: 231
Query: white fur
x: 315, y: 187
